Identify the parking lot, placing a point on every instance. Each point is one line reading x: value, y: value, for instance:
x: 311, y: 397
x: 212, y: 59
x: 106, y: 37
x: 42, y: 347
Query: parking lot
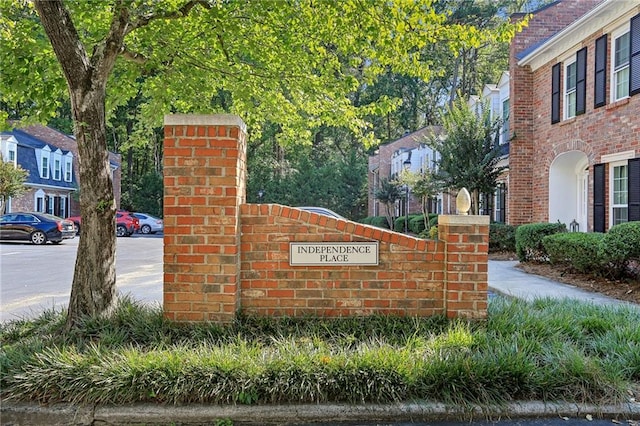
x: 34, y: 278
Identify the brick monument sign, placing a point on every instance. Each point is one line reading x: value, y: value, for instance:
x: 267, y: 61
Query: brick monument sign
x: 223, y: 256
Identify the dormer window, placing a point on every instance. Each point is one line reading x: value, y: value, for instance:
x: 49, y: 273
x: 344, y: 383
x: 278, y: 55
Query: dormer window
x: 68, y: 168
x: 44, y: 171
x: 57, y: 165
x: 57, y: 169
x: 9, y: 151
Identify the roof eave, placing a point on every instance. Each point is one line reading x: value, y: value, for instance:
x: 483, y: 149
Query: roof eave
x: 573, y: 34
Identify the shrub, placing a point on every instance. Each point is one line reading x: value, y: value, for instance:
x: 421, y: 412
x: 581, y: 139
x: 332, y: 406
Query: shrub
x: 620, y: 246
x: 502, y: 237
x: 577, y: 250
x: 380, y: 222
x: 398, y: 224
x: 529, y: 240
x: 367, y: 220
x: 433, y: 220
x: 416, y: 222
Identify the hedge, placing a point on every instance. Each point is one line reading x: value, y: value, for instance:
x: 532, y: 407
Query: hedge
x: 577, y: 250
x: 416, y: 223
x: 502, y: 238
x: 379, y: 221
x: 398, y: 224
x: 529, y: 240
x: 619, y: 247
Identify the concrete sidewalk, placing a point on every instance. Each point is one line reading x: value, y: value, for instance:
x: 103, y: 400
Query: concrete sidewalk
x: 506, y: 279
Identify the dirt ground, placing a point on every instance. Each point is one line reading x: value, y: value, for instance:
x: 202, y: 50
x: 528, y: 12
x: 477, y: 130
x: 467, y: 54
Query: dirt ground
x: 628, y: 290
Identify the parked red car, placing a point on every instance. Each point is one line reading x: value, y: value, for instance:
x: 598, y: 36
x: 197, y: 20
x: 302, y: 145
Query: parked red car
x: 126, y: 223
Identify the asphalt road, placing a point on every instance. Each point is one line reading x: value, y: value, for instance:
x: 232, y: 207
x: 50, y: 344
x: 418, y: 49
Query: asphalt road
x: 34, y: 278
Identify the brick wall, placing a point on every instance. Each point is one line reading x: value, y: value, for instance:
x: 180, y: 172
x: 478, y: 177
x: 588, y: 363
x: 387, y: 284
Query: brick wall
x: 380, y: 165
x: 222, y: 256
x: 609, y: 129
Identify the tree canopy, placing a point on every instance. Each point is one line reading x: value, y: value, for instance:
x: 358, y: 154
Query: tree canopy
x: 12, y: 181
x: 469, y: 151
x: 295, y: 64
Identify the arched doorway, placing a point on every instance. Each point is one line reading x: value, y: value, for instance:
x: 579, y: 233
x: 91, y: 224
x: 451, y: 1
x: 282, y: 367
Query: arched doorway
x: 569, y: 189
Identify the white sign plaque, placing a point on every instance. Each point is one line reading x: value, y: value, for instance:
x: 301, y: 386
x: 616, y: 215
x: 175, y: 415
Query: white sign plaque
x: 333, y: 254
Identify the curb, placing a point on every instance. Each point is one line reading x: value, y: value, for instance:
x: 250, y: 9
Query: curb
x: 16, y: 414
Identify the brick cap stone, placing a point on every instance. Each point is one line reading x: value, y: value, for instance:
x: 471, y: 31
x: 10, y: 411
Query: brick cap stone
x: 204, y: 120
x: 463, y: 220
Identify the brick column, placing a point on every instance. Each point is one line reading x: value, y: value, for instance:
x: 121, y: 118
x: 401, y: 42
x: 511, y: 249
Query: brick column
x: 466, y: 260
x: 204, y: 186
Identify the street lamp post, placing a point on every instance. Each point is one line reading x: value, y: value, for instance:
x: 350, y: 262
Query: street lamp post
x: 407, y: 167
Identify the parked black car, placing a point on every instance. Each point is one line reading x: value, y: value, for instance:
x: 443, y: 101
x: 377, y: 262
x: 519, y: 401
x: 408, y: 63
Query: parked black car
x: 35, y: 227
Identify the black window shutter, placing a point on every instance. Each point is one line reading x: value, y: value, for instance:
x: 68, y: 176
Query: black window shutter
x: 581, y: 81
x: 634, y: 58
x: 555, y: 93
x: 633, y: 197
x: 600, y: 77
x: 598, y: 198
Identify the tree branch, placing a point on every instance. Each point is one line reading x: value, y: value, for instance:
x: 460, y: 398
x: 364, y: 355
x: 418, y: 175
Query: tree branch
x: 178, y: 14
x: 132, y: 56
x: 105, y: 54
x: 64, y: 40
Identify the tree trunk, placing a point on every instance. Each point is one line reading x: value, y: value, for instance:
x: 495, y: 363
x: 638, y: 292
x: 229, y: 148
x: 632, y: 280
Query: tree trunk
x: 475, y: 202
x: 93, y: 291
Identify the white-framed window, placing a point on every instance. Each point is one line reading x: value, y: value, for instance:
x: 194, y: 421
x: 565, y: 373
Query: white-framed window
x: 618, y: 184
x: 504, y: 137
x: 68, y: 168
x: 57, y: 169
x: 45, y: 167
x: 45, y: 155
x: 570, y: 81
x: 63, y: 206
x: 39, y: 201
x: 57, y: 165
x: 12, y: 153
x: 9, y: 151
x: 620, y: 49
x: 50, y: 204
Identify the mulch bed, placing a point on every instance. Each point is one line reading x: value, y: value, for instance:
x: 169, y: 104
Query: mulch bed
x: 627, y: 290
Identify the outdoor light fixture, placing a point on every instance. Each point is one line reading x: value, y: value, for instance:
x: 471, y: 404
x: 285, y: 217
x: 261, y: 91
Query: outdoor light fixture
x: 260, y: 195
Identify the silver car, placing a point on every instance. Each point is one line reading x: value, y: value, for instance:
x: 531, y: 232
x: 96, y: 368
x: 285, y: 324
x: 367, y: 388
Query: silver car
x: 149, y: 224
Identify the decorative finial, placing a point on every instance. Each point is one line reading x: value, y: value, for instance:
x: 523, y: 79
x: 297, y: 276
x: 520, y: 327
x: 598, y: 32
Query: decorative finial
x: 463, y: 202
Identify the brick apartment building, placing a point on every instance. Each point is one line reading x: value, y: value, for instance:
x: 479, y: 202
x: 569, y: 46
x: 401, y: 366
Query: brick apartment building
x: 574, y: 115
x: 390, y: 158
x: 51, y: 158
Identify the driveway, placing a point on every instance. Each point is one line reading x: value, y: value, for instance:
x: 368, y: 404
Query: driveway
x: 35, y: 278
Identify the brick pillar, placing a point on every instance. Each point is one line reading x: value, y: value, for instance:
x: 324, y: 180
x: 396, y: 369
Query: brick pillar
x: 204, y: 186
x: 466, y: 260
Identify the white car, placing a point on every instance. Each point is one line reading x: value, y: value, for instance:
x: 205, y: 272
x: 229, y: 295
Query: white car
x: 321, y: 210
x: 149, y: 224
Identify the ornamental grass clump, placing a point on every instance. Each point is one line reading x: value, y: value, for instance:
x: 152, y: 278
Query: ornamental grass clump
x: 543, y: 350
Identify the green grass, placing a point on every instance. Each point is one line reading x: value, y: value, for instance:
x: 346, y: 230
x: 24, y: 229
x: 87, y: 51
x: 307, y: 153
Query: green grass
x: 543, y: 350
